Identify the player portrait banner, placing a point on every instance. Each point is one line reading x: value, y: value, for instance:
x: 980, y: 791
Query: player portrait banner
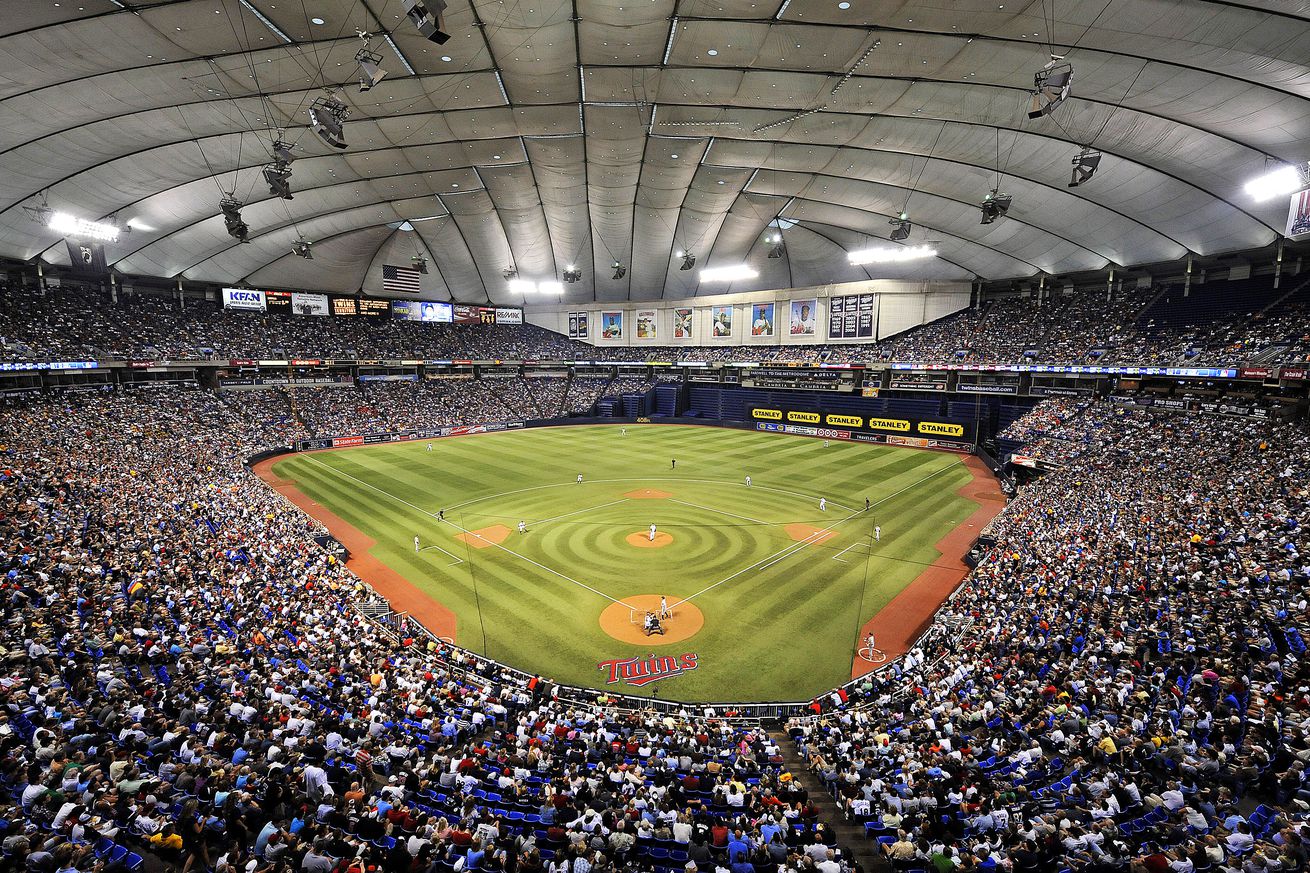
x: 309, y: 304
x: 762, y: 319
x: 646, y: 328
x: 244, y: 298
x: 1298, y: 216
x: 851, y: 316
x: 803, y: 313
x: 611, y: 325
x: 721, y: 319
x: 682, y: 324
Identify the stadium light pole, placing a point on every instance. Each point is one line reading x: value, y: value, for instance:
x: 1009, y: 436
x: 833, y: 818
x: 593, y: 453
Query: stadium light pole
x: 473, y: 577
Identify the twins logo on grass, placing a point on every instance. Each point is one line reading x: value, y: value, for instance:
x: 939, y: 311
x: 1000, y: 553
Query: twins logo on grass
x: 640, y: 671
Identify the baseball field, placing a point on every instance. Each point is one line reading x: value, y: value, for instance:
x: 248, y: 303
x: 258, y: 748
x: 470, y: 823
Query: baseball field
x: 767, y: 594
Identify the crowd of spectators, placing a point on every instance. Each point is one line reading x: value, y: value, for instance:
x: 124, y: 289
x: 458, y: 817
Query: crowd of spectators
x: 385, y: 406
x: 1119, y: 681
x: 1086, y: 328
x: 1120, y: 684
x: 187, y: 672
x: 1053, y: 417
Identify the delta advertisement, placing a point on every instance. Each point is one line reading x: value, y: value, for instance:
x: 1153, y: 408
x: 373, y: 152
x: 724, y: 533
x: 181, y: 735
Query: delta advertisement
x: 910, y: 431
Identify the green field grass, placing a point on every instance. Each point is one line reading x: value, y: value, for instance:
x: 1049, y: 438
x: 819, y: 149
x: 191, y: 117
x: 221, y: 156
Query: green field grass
x: 781, y: 617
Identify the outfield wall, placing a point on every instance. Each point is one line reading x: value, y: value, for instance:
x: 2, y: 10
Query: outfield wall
x: 955, y: 441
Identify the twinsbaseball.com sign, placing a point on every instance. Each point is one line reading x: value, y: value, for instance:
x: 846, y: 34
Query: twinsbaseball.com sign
x: 640, y: 671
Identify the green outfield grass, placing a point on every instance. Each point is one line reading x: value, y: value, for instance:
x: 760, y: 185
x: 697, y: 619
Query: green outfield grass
x: 780, y: 616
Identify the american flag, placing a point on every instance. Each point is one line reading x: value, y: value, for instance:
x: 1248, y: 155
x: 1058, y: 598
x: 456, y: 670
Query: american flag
x: 400, y: 279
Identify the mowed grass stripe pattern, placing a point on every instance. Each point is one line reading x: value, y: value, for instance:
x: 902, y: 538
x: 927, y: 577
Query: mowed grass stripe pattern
x: 782, y: 631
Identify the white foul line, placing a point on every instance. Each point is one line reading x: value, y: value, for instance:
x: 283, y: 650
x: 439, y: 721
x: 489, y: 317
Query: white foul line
x: 329, y: 467
x: 837, y: 557
x: 769, y: 561
x: 796, y: 547
x: 469, y: 533
x: 578, y: 511
x: 720, y: 511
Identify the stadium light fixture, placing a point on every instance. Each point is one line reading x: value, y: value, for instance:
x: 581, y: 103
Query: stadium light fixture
x: 890, y: 256
x: 728, y: 274
x: 426, y: 16
x: 776, y: 246
x: 302, y: 248
x: 1051, y: 86
x: 278, y: 177
x: 1287, y: 179
x: 327, y: 117
x: 572, y: 274
x: 619, y: 270
x: 231, y: 209
x: 1084, y: 167
x: 900, y: 227
x: 370, y: 68
x: 527, y: 286
x: 688, y: 260
x: 509, y: 273
x: 995, y: 205
x: 282, y: 152
x: 420, y: 264
x: 80, y: 228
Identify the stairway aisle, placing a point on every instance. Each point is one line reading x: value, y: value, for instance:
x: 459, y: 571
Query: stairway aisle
x: 848, y: 834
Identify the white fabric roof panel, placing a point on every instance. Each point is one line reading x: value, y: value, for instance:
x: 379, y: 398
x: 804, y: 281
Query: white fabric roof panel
x: 128, y: 113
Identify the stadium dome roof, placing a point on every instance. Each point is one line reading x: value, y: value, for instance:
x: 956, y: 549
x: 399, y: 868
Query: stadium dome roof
x: 556, y: 132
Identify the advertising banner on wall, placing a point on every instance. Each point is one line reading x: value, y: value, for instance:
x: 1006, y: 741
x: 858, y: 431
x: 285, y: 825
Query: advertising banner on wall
x: 646, y: 328
x: 508, y: 316
x: 910, y: 427
x: 803, y: 312
x: 309, y: 304
x: 611, y: 325
x: 465, y: 314
x: 243, y: 298
x: 762, y: 319
x: 722, y: 320
x: 682, y: 323
x: 420, y: 310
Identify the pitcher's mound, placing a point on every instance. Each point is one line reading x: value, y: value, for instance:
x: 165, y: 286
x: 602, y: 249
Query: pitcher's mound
x: 623, y: 620
x: 643, y: 540
x: 485, y: 537
x: 809, y: 533
x: 648, y: 494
